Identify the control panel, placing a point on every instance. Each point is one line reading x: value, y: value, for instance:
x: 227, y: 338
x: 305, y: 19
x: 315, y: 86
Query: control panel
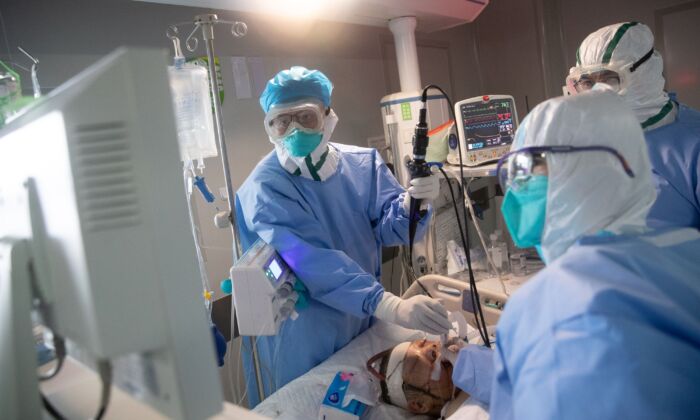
x: 486, y: 126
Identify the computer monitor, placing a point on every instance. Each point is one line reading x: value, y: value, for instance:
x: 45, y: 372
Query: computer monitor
x: 91, y: 179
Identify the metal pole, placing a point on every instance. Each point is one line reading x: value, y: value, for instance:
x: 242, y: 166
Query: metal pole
x: 206, y: 22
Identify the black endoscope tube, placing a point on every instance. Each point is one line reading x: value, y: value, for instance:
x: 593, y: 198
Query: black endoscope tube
x: 420, y: 145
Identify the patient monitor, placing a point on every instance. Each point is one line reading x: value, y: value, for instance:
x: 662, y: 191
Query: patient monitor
x: 94, y: 226
x: 486, y: 126
x: 263, y: 291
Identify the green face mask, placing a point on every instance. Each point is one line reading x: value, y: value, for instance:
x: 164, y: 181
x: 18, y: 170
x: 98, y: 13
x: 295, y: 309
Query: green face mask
x: 524, y: 211
x: 300, y: 144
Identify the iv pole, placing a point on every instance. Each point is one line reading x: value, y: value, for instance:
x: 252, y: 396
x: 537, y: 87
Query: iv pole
x: 238, y: 29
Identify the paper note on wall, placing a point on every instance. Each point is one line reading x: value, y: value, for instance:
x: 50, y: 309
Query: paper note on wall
x: 241, y: 78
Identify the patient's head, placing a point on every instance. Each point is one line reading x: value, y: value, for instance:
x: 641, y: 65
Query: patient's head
x: 414, y: 377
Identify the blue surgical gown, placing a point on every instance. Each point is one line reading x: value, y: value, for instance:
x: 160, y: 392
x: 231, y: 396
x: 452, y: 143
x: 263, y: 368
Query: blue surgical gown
x: 331, y: 234
x: 674, y: 151
x: 611, y: 329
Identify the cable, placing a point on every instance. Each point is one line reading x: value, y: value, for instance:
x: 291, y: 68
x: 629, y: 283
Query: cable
x: 50, y: 408
x: 465, y: 244
x: 104, y: 369
x: 59, y: 346
x: 474, y: 293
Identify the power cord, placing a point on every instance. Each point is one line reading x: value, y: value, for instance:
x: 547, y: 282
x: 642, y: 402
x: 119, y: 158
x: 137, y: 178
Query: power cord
x: 474, y: 293
x: 104, y: 369
x: 59, y: 345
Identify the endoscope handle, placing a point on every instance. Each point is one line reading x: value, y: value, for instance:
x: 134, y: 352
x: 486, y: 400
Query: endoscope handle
x: 418, y: 167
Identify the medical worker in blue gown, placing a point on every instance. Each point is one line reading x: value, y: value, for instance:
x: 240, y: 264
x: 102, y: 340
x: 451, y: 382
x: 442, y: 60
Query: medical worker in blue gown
x: 328, y: 209
x: 623, y: 56
x: 610, y: 328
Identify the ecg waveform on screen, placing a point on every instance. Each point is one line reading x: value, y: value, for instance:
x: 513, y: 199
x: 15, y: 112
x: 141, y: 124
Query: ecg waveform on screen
x: 486, y: 121
x: 483, y: 125
x: 481, y: 118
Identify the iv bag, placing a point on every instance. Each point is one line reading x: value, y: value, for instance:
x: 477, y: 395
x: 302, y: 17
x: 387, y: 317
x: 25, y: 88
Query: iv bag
x: 189, y: 85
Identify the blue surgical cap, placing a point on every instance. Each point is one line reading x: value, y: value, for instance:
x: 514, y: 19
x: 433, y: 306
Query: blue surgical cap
x: 295, y: 84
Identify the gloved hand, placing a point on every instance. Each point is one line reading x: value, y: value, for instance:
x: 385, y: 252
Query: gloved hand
x: 426, y: 188
x: 418, y: 313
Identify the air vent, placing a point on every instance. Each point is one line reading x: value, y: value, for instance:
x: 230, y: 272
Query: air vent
x: 105, y: 183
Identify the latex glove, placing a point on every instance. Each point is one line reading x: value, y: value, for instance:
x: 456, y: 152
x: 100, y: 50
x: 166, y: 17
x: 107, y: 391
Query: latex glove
x: 426, y: 188
x: 417, y: 313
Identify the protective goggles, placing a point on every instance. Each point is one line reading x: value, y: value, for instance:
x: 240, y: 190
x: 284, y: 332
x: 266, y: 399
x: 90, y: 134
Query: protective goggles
x: 305, y: 115
x: 517, y: 167
x: 614, y: 74
x: 585, y: 80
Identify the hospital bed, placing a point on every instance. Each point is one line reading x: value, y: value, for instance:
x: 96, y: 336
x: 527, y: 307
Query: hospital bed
x: 301, y: 398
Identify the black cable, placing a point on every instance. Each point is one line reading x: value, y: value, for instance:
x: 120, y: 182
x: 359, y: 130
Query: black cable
x: 59, y: 345
x: 408, y: 269
x: 104, y: 369
x: 464, y: 244
x: 422, y: 286
x: 476, y: 301
x: 50, y: 408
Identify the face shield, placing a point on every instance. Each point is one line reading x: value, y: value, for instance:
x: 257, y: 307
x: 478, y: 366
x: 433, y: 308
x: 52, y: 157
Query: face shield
x: 306, y: 116
x: 617, y: 75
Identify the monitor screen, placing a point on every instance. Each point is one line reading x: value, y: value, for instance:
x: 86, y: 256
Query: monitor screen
x: 275, y: 268
x: 488, y: 124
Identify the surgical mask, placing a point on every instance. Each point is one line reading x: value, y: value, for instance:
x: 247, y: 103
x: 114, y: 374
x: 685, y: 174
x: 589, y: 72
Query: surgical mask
x: 301, y: 143
x: 321, y: 163
x: 524, y: 211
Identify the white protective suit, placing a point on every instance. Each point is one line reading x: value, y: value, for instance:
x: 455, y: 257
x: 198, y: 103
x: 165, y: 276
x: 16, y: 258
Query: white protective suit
x: 617, y: 47
x: 596, y: 198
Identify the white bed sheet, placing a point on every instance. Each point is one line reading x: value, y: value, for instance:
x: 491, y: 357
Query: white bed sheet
x: 301, y: 398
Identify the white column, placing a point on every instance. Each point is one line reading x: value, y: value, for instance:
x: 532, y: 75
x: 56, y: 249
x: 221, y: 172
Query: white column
x: 404, y: 29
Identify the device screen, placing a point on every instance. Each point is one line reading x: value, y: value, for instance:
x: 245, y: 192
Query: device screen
x: 275, y: 268
x: 488, y: 124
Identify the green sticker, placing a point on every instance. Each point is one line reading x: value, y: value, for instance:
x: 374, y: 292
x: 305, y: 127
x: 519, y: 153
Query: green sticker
x: 203, y: 61
x: 406, y: 111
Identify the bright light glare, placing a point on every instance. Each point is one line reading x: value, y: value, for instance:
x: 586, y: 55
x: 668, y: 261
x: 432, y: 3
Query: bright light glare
x: 298, y: 8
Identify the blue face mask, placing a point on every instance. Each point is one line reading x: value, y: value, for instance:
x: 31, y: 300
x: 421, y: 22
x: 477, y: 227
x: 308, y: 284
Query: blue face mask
x: 300, y: 144
x: 524, y: 211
